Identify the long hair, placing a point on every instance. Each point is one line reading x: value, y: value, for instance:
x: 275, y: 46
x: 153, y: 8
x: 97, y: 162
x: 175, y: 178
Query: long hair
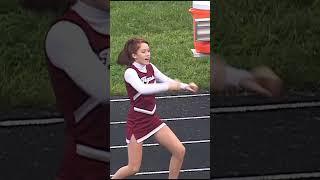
x: 131, y: 47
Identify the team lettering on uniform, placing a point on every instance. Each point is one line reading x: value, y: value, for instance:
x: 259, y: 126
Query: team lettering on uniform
x: 146, y: 79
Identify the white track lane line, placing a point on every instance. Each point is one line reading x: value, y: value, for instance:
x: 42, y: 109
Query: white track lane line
x: 168, y: 119
x: 212, y: 110
x: 26, y: 122
x: 276, y: 176
x: 60, y: 120
x: 166, y: 172
x: 265, y: 107
x: 156, y: 144
x: 30, y: 122
x: 165, y: 97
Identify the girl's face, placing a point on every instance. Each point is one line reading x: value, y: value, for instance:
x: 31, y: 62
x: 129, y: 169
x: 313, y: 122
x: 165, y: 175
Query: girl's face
x: 142, y: 56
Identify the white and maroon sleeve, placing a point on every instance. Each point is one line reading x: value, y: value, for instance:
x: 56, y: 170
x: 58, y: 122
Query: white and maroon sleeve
x: 160, y: 77
x: 133, y: 79
x: 68, y: 49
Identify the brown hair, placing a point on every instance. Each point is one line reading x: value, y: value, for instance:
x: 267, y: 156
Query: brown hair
x: 131, y: 47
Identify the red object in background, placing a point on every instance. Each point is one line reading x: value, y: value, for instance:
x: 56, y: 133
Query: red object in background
x: 200, y: 46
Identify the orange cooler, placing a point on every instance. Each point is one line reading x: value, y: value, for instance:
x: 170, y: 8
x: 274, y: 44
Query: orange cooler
x: 201, y: 26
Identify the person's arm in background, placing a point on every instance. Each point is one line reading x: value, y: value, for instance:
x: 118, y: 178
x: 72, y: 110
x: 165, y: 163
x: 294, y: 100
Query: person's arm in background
x: 68, y: 49
x: 261, y: 80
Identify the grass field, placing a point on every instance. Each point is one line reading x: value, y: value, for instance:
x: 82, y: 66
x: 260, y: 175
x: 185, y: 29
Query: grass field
x: 281, y: 34
x: 24, y: 81
x: 168, y: 28
x: 23, y: 74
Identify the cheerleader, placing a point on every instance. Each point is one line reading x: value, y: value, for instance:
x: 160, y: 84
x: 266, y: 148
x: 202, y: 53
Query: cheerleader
x: 143, y: 80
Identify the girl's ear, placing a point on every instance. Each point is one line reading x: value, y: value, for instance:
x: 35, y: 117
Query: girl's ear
x: 134, y: 56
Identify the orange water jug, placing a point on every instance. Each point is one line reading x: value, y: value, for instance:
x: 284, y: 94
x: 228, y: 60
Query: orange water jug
x: 201, y: 26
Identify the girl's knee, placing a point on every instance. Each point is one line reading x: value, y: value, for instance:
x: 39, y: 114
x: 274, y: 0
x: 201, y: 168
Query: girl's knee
x: 180, y: 152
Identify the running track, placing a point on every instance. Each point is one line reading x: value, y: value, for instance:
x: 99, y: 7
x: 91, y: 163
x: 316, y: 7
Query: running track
x: 248, y: 143
x: 259, y: 138
x: 31, y: 148
x: 188, y: 116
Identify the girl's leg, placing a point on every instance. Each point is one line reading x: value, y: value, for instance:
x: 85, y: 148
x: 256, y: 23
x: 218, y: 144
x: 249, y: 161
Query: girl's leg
x: 134, y: 160
x: 169, y: 140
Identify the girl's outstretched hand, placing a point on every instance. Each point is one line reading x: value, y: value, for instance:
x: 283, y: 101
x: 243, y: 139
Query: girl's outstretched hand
x: 192, y: 87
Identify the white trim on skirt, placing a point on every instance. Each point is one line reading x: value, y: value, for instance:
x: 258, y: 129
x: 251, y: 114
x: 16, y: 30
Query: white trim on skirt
x: 148, y: 135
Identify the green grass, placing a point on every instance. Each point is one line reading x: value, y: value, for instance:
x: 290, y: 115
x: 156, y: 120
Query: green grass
x: 168, y: 28
x: 281, y: 34
x: 23, y: 74
x: 24, y: 80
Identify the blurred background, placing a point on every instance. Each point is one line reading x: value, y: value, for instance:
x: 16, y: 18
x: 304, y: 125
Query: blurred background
x: 268, y: 138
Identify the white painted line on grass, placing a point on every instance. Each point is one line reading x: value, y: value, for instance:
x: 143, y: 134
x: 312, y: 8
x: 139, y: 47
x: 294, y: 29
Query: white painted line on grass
x: 264, y: 107
x: 165, y: 97
x: 156, y: 144
x: 168, y: 119
x: 276, y: 177
x: 166, y: 172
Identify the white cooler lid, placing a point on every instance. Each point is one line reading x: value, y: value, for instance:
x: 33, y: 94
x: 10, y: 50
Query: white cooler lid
x: 204, y: 5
